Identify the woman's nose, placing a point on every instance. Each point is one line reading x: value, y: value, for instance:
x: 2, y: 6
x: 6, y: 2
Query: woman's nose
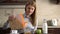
x: 29, y: 9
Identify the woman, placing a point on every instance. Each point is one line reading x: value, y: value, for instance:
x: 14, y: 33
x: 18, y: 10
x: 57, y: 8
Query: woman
x: 30, y: 9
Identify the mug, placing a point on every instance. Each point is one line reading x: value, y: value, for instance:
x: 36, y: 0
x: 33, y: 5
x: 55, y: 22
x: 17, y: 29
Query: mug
x: 54, y: 22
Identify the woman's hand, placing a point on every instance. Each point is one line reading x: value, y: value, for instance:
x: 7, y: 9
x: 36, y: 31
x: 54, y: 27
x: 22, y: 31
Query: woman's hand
x: 12, y: 17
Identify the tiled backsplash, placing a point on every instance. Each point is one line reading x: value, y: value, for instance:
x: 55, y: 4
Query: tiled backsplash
x: 4, y: 13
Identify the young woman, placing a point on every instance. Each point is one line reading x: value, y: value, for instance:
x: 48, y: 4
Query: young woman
x: 29, y: 15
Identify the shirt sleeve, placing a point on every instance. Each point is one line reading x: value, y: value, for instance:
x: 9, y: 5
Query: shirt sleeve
x: 6, y: 25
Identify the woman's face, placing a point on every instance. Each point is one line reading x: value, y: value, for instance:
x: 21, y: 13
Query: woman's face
x: 29, y: 9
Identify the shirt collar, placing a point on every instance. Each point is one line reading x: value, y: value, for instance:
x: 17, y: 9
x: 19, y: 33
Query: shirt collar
x: 25, y: 15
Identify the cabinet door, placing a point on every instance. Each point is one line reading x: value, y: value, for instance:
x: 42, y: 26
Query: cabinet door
x: 13, y: 2
x: 57, y: 31
x: 51, y: 31
x: 54, y: 31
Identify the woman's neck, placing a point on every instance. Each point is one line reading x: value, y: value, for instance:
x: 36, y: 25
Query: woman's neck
x: 28, y: 16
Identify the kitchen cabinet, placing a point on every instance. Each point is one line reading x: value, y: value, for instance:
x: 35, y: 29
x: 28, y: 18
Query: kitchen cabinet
x: 6, y: 31
x: 53, y: 30
x: 13, y: 2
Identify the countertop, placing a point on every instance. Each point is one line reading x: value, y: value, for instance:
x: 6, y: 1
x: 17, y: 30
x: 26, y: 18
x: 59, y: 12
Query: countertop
x: 50, y: 26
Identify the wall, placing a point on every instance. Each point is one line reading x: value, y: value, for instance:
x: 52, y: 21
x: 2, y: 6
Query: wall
x: 47, y: 10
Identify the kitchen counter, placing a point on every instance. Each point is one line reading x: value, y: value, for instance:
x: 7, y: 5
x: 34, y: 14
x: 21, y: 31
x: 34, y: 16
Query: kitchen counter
x: 52, y: 29
x: 50, y: 26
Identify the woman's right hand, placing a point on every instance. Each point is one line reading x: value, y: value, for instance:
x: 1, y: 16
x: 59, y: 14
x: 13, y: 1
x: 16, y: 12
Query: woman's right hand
x: 12, y: 17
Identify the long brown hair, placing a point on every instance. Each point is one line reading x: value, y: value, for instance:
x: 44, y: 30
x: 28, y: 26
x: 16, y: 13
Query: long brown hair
x: 32, y: 3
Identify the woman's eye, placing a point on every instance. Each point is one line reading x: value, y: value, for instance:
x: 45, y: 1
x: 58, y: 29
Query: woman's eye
x: 28, y: 8
x: 32, y: 8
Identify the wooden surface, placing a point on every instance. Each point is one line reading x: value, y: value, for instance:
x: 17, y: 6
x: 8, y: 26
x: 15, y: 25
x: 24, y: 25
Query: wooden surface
x: 53, y: 30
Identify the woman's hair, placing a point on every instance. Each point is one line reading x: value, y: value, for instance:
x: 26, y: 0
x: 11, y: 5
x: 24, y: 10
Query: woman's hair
x: 32, y: 3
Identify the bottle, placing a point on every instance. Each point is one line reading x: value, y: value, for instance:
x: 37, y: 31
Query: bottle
x: 45, y: 27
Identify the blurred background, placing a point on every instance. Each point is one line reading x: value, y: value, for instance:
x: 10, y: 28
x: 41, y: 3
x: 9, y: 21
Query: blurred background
x: 48, y: 9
